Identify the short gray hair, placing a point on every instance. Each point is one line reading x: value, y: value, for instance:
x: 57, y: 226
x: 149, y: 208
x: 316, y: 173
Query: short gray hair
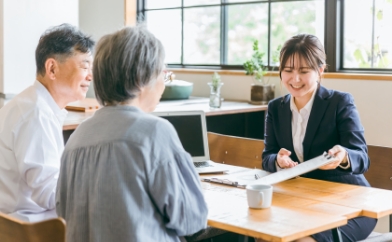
x: 61, y: 42
x: 124, y: 62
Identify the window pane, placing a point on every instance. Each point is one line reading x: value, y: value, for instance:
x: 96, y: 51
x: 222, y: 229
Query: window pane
x: 166, y: 26
x: 292, y: 18
x: 246, y: 23
x: 367, y: 36
x: 162, y: 4
x: 200, y: 2
x: 202, y: 35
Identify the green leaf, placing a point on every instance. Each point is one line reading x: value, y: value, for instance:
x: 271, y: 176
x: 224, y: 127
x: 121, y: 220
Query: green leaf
x: 358, y: 56
x: 255, y: 66
x: 216, y: 79
x: 379, y: 15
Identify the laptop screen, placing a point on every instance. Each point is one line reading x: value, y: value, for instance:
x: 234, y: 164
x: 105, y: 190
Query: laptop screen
x: 190, y: 132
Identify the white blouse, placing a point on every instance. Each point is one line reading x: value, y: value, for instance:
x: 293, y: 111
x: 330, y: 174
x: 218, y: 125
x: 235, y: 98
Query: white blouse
x: 299, y: 122
x: 31, y: 144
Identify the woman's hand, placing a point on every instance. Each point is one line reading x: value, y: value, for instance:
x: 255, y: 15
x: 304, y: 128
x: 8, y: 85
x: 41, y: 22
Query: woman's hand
x: 340, y: 158
x: 283, y: 159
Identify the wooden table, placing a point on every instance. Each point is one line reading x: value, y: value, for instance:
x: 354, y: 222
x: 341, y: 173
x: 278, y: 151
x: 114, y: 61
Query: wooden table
x: 373, y: 202
x: 289, y: 217
x: 300, y: 207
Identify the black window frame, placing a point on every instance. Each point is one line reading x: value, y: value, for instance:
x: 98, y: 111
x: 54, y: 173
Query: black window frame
x: 333, y: 36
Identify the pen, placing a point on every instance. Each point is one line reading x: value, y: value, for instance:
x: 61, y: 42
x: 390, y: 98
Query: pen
x: 226, y: 182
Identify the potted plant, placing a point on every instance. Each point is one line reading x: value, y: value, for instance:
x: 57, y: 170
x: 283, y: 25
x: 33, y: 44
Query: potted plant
x: 261, y: 91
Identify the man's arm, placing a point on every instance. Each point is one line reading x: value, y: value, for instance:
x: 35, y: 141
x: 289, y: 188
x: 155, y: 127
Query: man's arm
x: 38, y: 151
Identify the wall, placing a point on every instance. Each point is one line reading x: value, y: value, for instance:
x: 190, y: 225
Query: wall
x: 372, y: 98
x: 21, y: 24
x: 100, y: 17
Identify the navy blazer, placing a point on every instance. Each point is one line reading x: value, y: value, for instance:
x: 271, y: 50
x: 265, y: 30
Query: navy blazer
x: 333, y: 120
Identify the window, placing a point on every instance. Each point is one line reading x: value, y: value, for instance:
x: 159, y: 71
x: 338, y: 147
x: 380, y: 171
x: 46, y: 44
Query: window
x: 367, y: 37
x: 220, y: 33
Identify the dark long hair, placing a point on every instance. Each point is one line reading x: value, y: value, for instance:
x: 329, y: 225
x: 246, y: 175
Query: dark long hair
x: 305, y: 46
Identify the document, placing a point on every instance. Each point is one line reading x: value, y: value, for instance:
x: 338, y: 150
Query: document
x: 298, y: 170
x: 254, y: 176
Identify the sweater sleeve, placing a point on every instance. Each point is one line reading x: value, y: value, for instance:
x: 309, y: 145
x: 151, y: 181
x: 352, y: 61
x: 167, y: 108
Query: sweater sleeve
x: 174, y: 185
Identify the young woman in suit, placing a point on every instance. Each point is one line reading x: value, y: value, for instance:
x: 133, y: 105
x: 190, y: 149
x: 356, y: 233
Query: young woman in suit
x: 312, y: 119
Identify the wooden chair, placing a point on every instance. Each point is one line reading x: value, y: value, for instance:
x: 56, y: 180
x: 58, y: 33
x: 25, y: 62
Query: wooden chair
x: 14, y: 230
x: 380, y: 171
x: 379, y: 175
x: 236, y: 151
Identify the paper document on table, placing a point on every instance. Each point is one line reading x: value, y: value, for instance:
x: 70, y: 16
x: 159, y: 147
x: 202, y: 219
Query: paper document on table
x: 237, y: 179
x: 300, y: 169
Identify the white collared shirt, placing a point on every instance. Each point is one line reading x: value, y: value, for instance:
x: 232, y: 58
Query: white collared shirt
x: 31, y: 144
x: 299, y: 122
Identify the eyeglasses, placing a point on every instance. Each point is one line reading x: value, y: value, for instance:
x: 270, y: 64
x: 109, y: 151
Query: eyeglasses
x: 169, y: 76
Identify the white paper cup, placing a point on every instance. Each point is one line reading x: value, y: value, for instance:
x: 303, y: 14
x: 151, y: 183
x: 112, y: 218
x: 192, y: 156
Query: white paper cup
x: 259, y: 196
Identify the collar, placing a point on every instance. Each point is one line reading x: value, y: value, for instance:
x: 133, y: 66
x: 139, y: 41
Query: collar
x: 307, y: 107
x: 41, y: 89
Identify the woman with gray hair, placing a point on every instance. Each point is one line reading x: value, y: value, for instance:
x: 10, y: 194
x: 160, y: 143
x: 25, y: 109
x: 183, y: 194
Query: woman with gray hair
x: 124, y: 173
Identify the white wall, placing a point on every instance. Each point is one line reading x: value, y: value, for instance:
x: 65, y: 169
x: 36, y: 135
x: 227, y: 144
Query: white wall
x: 100, y: 17
x: 22, y: 23
x: 372, y: 99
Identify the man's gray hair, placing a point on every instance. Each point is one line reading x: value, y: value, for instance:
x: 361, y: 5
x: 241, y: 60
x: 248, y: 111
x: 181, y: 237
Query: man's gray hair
x: 61, y: 42
x: 124, y: 62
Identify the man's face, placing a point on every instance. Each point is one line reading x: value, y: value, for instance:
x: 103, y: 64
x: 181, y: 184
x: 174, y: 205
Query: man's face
x: 74, y: 76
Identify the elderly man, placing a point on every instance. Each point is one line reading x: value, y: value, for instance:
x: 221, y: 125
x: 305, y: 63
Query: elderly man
x: 31, y: 141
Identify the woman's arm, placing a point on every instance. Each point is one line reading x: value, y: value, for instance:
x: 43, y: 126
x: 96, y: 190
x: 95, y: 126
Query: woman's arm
x: 351, y: 135
x: 271, y: 146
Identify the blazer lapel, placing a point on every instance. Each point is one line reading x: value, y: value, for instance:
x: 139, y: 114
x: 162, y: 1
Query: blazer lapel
x: 320, y: 104
x: 285, y: 128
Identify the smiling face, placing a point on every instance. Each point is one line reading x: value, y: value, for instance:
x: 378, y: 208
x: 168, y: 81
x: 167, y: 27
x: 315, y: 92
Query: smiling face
x: 73, y: 76
x: 300, y: 79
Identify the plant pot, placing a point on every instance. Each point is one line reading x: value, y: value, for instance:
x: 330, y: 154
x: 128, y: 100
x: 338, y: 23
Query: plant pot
x: 261, y: 94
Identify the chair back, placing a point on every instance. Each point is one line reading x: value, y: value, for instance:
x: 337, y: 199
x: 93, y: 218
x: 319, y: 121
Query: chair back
x: 380, y: 171
x: 237, y: 151
x: 15, y: 230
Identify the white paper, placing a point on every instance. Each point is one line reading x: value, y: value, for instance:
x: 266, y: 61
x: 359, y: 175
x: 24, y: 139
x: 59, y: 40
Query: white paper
x: 300, y: 169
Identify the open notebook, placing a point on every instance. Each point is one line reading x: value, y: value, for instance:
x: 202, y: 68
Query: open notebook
x: 192, y: 130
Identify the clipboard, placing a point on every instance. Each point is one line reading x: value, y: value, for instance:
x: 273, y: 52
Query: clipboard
x: 298, y: 170
x: 237, y: 179
x: 247, y: 177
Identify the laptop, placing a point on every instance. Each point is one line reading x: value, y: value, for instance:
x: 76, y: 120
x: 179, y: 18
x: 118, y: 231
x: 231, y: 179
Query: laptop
x: 192, y: 130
